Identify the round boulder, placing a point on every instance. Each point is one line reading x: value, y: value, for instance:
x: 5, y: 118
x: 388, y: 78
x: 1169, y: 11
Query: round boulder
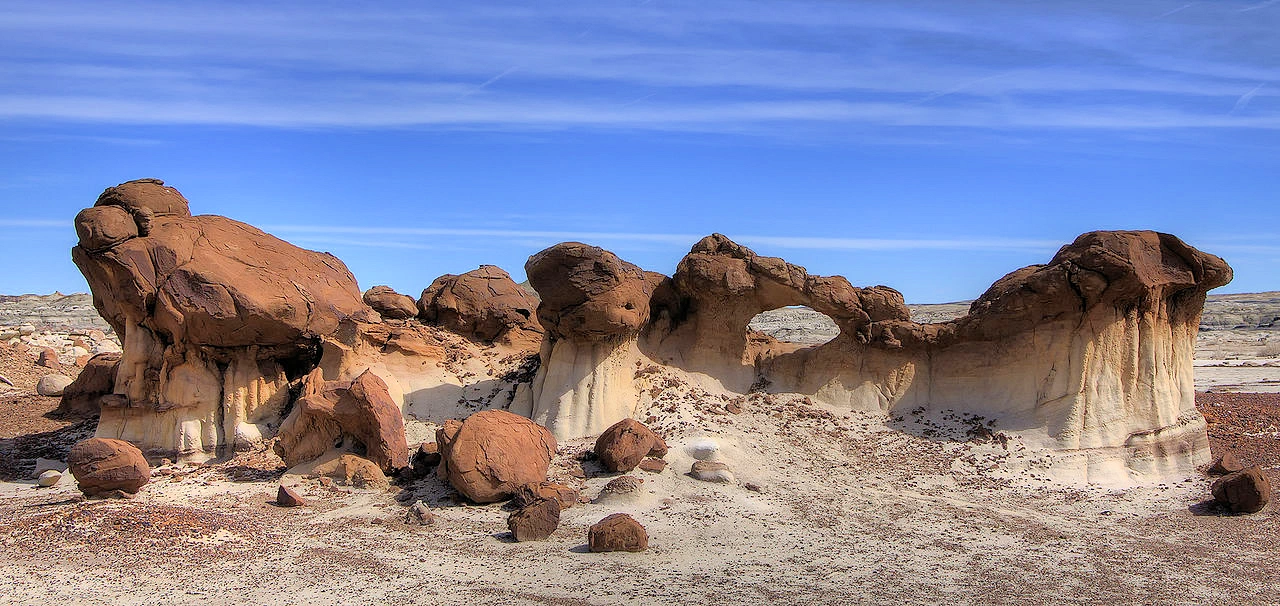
x: 624, y: 444
x: 492, y: 453
x: 390, y: 304
x: 52, y: 385
x: 1245, y: 491
x: 105, y: 465
x: 617, y: 532
x: 484, y: 304
x: 147, y: 195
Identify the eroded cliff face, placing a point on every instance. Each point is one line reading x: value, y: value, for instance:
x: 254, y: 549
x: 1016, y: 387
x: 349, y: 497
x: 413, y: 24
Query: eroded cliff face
x: 1087, y: 359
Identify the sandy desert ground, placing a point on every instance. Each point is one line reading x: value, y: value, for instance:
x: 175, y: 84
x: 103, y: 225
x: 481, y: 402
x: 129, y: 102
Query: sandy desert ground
x: 826, y: 507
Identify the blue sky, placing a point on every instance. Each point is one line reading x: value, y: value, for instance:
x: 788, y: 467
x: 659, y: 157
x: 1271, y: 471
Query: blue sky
x: 928, y: 146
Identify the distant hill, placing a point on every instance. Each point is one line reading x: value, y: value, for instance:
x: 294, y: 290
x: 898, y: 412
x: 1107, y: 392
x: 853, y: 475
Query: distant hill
x: 1244, y: 311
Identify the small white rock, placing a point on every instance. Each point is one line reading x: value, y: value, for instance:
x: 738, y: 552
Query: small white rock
x: 49, y: 478
x: 702, y: 449
x: 52, y: 385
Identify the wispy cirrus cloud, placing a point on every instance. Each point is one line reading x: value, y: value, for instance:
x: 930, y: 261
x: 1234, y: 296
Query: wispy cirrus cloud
x: 307, y: 232
x: 705, y: 67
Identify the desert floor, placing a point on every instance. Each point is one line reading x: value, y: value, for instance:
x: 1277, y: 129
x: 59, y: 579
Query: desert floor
x: 827, y: 507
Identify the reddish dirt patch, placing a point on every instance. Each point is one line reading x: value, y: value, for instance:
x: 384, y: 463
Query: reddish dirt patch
x: 1247, y: 424
x: 26, y: 430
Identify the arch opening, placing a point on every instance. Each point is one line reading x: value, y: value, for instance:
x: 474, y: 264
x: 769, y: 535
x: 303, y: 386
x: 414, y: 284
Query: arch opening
x: 795, y: 324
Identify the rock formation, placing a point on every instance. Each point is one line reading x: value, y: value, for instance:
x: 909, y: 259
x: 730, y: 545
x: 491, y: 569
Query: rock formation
x: 219, y: 321
x: 617, y: 532
x: 104, y: 466
x: 484, y: 304
x: 215, y: 316
x: 390, y: 304
x: 1087, y: 358
x: 83, y: 397
x: 493, y: 453
x: 330, y: 411
x: 624, y: 444
x: 593, y: 308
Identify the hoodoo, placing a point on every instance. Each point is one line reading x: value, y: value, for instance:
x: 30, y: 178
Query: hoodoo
x: 1087, y: 359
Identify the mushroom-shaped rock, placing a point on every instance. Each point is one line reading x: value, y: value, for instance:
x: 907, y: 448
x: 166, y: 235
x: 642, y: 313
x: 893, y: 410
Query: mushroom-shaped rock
x: 1244, y: 491
x: 483, y: 304
x: 534, y: 492
x: 624, y: 444
x: 617, y: 532
x: 214, y: 317
x: 105, y: 465
x: 492, y: 453
x: 83, y: 397
x: 390, y: 304
x: 588, y: 293
x: 535, y: 521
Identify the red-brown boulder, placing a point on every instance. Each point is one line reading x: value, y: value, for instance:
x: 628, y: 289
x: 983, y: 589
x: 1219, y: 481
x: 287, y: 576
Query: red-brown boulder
x: 104, y: 465
x: 83, y: 397
x: 102, y: 227
x: 483, y: 304
x: 327, y: 410
x: 149, y: 195
x: 1225, y: 464
x: 588, y: 293
x: 48, y: 358
x: 1245, y: 491
x: 390, y: 304
x: 617, y: 532
x: 492, y: 453
x: 534, y: 492
x: 535, y: 521
x: 286, y: 497
x: 624, y: 444
x: 367, y: 412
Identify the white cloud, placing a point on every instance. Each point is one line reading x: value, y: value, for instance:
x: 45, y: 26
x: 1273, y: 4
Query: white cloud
x: 705, y: 67
x: 678, y: 239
